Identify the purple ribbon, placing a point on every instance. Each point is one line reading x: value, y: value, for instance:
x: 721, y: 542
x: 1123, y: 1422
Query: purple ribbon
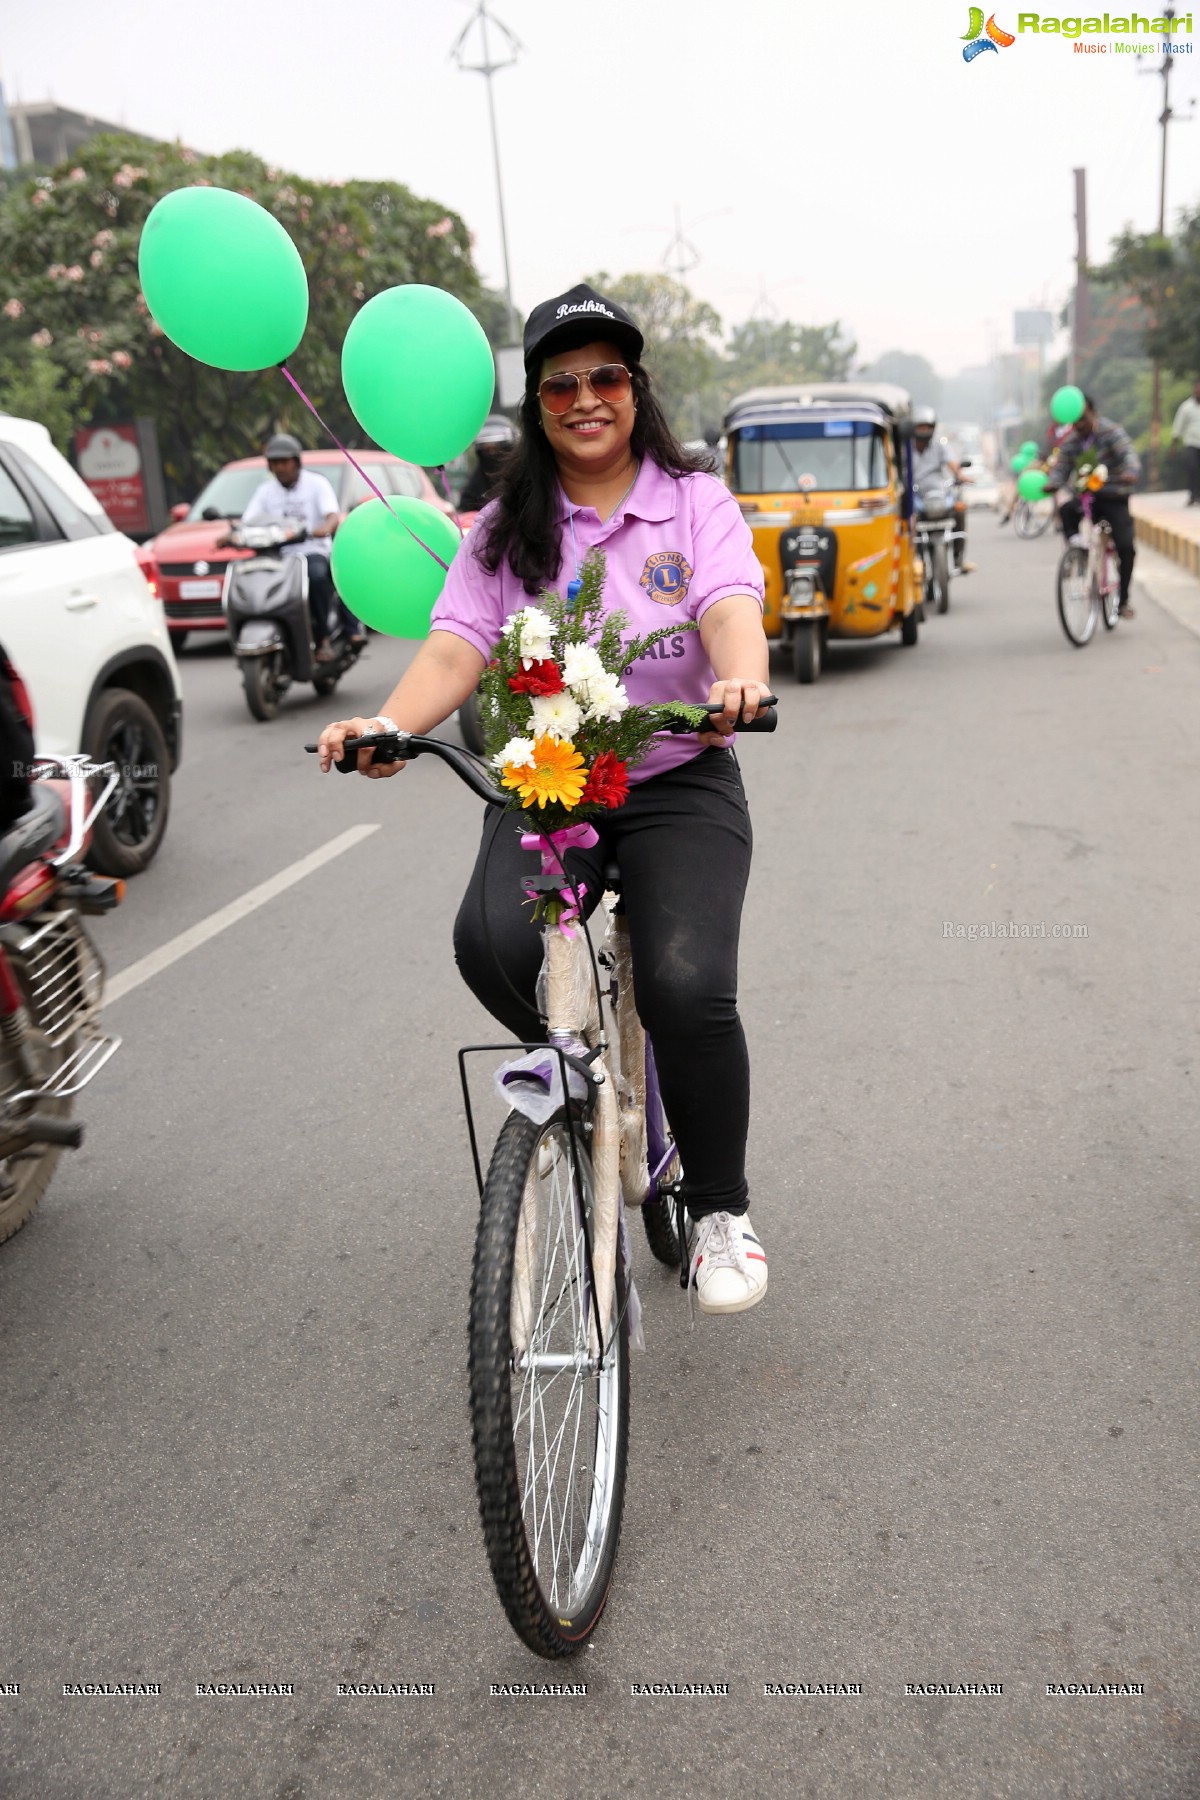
x: 289, y: 377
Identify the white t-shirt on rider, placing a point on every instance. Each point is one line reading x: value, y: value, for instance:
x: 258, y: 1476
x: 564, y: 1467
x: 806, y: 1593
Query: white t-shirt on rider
x: 311, y: 500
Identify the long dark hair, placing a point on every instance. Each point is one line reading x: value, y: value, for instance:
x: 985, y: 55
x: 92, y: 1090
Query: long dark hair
x: 525, y: 528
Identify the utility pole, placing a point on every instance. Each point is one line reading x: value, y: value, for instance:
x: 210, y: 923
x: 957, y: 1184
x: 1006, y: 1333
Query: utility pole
x: 1164, y: 118
x: 1081, y: 311
x: 488, y: 68
x: 680, y: 258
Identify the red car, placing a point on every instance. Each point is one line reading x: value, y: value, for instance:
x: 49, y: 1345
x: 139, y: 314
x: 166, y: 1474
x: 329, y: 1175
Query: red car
x: 187, y: 570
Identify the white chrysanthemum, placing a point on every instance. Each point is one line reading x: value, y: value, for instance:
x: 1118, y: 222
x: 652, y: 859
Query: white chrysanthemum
x: 534, y: 628
x: 518, y: 751
x: 607, y: 698
x: 555, y: 715
x: 581, y: 665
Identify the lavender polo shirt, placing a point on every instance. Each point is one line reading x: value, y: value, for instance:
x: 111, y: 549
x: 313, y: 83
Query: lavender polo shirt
x: 675, y: 546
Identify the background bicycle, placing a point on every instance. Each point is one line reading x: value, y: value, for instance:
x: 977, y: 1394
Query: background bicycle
x: 1088, y: 586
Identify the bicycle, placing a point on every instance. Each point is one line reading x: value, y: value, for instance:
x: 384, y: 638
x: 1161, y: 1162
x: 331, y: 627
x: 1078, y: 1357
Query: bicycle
x: 1088, y: 585
x: 553, y: 1308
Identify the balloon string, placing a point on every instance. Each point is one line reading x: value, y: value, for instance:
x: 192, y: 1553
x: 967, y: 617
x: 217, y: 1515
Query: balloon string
x: 449, y: 496
x: 288, y: 376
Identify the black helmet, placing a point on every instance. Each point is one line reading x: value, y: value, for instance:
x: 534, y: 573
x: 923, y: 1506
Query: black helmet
x: 282, y: 445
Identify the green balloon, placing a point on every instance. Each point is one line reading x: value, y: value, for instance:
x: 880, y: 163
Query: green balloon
x: 223, y: 279
x: 1028, y: 449
x: 418, y: 373
x: 381, y: 571
x: 1020, y: 461
x: 1031, y: 484
x: 1066, y: 405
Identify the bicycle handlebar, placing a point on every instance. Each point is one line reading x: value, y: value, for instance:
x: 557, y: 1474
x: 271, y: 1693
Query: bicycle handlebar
x: 403, y: 746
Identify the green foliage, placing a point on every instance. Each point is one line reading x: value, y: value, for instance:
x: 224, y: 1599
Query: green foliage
x: 68, y: 246
x: 777, y: 353
x: 914, y: 373
x: 34, y: 386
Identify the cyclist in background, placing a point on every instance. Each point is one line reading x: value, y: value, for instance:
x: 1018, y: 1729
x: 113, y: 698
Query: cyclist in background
x: 1103, y: 441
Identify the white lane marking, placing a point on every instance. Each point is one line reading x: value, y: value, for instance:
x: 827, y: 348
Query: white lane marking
x: 174, y: 948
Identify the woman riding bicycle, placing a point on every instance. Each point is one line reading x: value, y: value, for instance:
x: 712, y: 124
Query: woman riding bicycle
x: 596, y: 464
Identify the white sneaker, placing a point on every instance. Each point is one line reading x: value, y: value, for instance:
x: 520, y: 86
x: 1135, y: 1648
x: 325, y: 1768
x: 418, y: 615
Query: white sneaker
x: 728, y: 1266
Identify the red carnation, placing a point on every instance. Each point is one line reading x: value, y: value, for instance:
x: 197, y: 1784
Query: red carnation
x: 608, y: 782
x: 538, y: 678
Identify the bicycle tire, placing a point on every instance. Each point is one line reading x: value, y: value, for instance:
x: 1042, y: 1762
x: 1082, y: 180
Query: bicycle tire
x: 1073, y: 581
x: 941, y: 577
x: 658, y: 1217
x: 1027, y: 523
x: 553, y: 1601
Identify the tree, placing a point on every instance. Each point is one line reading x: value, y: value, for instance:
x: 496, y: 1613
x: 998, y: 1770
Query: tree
x: 913, y: 373
x: 680, y: 353
x: 70, y: 293
x: 776, y: 352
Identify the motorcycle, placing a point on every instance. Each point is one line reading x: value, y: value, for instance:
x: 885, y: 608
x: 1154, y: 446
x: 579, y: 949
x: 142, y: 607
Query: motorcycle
x: 937, y: 535
x: 51, y: 977
x: 265, y: 601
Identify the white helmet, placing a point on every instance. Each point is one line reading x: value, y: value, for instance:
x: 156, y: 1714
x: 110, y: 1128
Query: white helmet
x: 924, y: 415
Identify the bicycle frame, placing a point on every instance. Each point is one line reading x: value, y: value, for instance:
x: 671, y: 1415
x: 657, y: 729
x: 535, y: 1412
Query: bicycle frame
x: 620, y: 1079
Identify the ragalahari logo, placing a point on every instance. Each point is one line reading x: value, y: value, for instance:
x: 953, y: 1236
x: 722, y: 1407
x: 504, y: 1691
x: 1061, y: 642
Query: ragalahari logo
x: 975, y: 43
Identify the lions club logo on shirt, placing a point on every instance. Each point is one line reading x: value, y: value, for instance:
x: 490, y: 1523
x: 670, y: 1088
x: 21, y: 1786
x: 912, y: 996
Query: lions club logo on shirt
x: 665, y: 577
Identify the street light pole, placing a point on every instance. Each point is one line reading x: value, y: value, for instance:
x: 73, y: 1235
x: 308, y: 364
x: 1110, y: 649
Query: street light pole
x: 488, y: 68
x: 1164, y: 118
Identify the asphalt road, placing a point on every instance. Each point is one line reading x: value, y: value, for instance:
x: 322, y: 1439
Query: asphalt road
x: 955, y: 1444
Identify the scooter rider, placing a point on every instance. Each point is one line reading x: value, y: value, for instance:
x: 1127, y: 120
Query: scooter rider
x: 934, y: 472
x: 293, y: 492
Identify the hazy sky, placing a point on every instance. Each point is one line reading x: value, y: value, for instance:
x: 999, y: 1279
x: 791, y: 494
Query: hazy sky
x: 828, y: 160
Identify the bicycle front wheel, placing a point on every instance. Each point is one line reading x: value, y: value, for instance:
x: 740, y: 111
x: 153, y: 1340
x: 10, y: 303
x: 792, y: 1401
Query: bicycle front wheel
x: 1030, y: 520
x: 1076, y: 600
x: 550, y: 1417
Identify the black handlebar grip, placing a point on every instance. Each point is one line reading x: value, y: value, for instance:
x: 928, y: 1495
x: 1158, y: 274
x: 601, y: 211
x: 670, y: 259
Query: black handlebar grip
x: 762, y: 721
x: 385, y: 752
x: 765, y: 720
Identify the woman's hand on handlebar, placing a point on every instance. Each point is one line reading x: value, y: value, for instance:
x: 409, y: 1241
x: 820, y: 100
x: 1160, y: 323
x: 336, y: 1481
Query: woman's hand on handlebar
x: 329, y: 746
x: 740, y: 699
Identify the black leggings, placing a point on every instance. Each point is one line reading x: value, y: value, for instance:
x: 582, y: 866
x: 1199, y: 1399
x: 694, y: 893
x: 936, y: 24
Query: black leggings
x: 683, y: 842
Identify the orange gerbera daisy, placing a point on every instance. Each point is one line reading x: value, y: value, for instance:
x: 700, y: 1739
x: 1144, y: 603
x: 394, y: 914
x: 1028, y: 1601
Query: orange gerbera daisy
x: 555, y: 776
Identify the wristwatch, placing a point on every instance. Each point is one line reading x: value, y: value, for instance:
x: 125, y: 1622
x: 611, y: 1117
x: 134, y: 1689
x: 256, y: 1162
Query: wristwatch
x: 386, y: 724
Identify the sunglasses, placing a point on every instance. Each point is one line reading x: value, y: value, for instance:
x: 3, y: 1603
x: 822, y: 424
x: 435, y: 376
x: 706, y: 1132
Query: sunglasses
x: 609, y: 381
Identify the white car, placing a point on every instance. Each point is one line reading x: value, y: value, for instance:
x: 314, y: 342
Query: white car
x: 983, y: 488
x: 89, y: 639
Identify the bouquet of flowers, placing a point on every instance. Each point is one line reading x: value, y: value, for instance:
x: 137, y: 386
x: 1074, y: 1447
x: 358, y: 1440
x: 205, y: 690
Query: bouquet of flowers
x: 560, y: 732
x: 1090, y: 474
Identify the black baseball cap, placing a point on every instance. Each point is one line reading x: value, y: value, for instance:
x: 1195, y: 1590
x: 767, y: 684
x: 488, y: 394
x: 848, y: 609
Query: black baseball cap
x: 577, y: 317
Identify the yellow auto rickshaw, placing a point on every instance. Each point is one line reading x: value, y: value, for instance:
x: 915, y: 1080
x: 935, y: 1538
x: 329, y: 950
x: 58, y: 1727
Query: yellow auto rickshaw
x: 821, y: 473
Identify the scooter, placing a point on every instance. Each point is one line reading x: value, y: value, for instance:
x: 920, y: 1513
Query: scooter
x: 51, y: 977
x: 265, y: 601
